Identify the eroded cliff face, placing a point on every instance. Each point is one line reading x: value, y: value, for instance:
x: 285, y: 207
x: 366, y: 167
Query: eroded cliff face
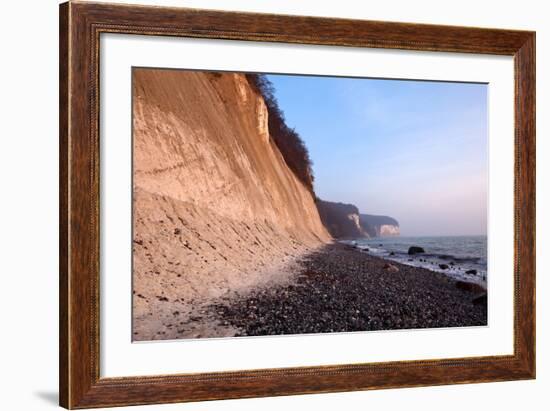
x: 215, y: 205
x: 341, y: 220
x: 388, y: 230
x: 379, y: 225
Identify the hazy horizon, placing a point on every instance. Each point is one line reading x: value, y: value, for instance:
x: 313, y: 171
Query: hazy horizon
x: 412, y: 150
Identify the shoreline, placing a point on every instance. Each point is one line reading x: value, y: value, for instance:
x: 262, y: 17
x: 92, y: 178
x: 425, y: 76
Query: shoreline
x: 341, y: 289
x: 469, y: 269
x: 333, y: 288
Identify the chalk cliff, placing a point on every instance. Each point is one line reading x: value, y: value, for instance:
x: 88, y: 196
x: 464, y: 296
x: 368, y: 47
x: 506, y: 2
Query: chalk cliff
x: 379, y: 225
x: 341, y: 220
x: 344, y: 221
x: 215, y: 204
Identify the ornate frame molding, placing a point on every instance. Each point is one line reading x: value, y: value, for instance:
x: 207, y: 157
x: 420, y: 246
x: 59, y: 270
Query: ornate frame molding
x: 81, y: 24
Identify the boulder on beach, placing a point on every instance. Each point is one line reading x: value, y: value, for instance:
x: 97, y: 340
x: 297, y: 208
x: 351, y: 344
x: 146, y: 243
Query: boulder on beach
x: 472, y: 272
x: 415, y: 250
x: 391, y: 268
x: 471, y: 287
x: 443, y: 266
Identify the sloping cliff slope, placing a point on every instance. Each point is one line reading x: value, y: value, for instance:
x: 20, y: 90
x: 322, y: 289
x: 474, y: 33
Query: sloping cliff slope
x: 215, y: 205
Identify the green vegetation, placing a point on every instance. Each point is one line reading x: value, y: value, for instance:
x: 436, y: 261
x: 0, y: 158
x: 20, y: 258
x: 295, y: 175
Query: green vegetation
x: 288, y: 141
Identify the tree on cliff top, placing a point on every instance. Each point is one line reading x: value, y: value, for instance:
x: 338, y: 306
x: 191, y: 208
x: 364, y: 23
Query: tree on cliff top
x: 287, y: 139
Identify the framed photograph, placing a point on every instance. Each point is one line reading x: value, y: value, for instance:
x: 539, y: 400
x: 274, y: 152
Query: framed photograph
x: 258, y: 205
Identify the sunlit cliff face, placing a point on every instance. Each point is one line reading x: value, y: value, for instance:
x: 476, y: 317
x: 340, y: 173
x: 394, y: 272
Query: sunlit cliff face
x: 214, y: 200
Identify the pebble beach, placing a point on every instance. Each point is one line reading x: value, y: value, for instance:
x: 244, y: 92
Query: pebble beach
x: 341, y: 289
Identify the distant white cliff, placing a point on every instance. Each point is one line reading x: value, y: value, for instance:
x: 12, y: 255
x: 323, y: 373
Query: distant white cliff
x: 379, y: 225
x: 344, y: 221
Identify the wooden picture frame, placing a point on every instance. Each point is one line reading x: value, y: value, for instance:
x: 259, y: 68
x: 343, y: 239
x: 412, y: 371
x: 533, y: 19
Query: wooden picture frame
x: 80, y: 27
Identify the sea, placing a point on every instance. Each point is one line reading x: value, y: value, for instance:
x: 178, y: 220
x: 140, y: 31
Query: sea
x: 450, y: 255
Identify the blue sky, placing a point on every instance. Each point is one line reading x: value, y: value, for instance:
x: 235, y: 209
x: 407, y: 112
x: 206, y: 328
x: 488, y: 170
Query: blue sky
x: 413, y: 150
